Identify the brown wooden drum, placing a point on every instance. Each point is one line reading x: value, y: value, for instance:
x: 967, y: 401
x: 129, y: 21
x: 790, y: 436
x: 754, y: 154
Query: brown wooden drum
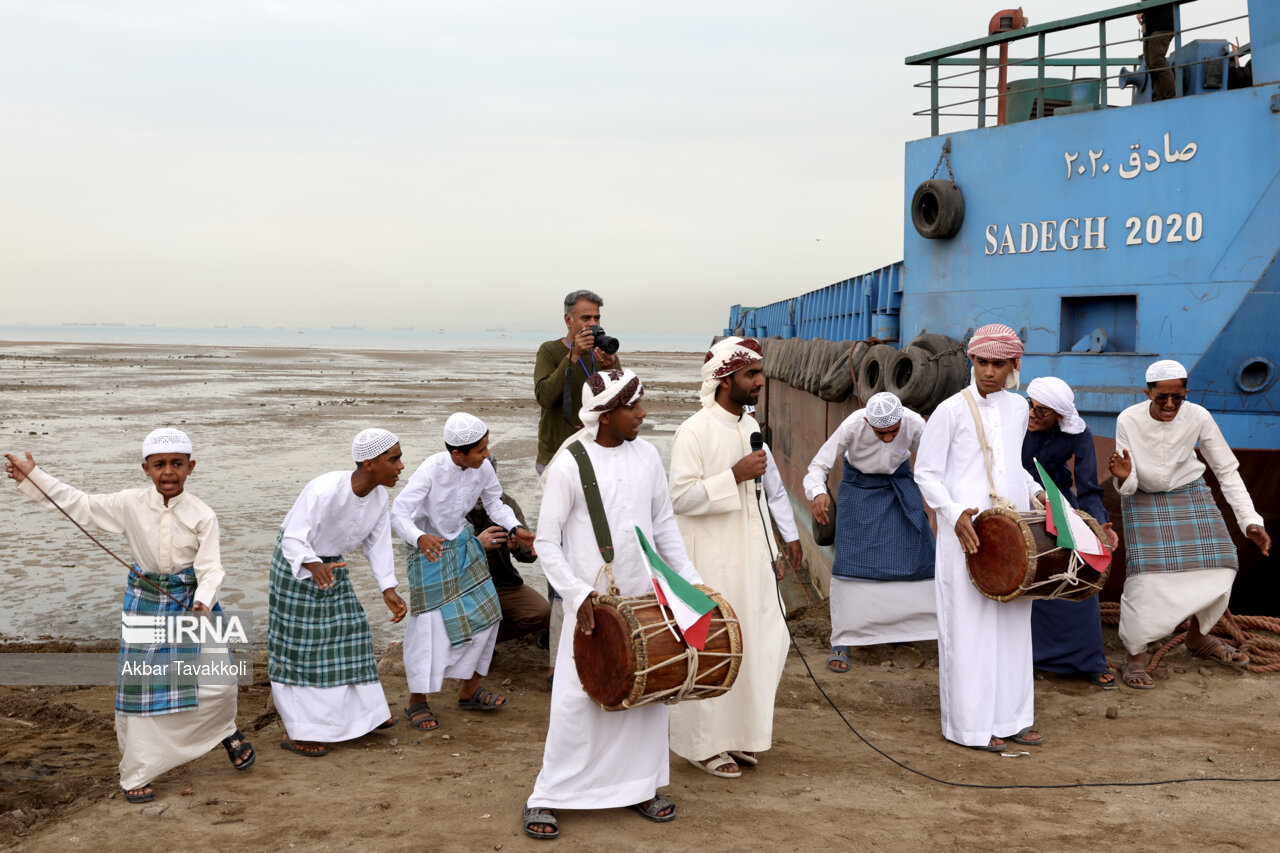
x: 633, y: 658
x: 1018, y: 558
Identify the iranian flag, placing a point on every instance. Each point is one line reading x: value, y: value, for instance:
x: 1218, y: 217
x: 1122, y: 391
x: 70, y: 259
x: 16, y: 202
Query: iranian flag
x: 1061, y: 521
x: 690, y: 606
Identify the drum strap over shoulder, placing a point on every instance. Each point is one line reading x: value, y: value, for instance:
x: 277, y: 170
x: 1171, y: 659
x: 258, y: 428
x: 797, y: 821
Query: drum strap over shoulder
x: 997, y: 499
x: 595, y: 505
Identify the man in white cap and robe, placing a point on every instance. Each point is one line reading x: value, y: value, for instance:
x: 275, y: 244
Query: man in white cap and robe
x: 882, y: 587
x: 173, y: 537
x: 597, y: 759
x: 970, y: 459
x: 1180, y: 561
x: 324, y: 677
x: 716, y: 480
x: 453, y: 605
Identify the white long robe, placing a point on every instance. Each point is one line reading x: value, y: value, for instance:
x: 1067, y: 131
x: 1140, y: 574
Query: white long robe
x: 726, y: 531
x: 595, y: 759
x: 329, y: 519
x: 163, y: 538
x: 985, y: 676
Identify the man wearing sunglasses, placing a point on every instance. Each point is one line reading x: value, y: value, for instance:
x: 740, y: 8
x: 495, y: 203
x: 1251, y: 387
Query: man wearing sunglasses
x: 1180, y: 559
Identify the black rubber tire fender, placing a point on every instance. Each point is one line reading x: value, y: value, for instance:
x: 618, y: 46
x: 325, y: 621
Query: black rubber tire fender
x: 825, y: 534
x: 872, y: 370
x: 937, y: 210
x: 911, y: 377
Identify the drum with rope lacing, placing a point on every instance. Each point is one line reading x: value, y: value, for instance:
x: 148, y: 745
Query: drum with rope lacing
x: 1018, y: 559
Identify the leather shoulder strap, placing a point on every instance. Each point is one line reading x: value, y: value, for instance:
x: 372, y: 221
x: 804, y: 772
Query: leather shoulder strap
x: 595, y: 505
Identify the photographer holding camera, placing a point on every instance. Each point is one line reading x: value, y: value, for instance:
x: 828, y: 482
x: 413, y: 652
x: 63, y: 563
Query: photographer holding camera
x: 563, y: 365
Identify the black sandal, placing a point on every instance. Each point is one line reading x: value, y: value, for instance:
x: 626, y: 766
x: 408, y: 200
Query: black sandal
x: 420, y: 712
x: 546, y: 817
x: 140, y: 798
x: 236, y: 746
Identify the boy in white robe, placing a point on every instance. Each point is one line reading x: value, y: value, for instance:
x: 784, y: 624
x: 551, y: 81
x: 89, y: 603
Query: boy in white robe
x: 985, y: 675
x: 597, y: 759
x: 716, y: 484
x: 882, y: 588
x: 324, y: 677
x: 174, y: 539
x: 454, y: 607
x: 1180, y: 560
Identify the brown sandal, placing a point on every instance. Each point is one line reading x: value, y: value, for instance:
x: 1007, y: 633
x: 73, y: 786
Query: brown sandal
x: 1219, y: 651
x: 1135, y: 675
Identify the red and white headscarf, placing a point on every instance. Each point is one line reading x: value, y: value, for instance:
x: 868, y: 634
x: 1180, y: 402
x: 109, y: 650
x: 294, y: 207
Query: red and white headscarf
x: 998, y: 343
x: 605, y: 391
x: 724, y: 359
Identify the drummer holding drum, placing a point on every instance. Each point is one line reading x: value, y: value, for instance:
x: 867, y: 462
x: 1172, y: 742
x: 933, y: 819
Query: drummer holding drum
x: 970, y: 458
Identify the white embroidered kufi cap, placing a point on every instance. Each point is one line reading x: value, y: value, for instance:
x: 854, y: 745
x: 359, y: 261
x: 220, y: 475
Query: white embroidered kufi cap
x: 166, y: 440
x: 462, y: 429
x: 372, y: 443
x: 883, y: 410
x: 1057, y: 395
x: 1167, y: 369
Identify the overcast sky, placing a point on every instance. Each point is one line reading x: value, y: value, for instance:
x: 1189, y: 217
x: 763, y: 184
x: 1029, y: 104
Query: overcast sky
x: 304, y: 162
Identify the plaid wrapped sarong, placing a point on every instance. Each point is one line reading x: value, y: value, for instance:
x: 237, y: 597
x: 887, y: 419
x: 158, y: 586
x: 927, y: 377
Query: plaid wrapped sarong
x: 154, y: 695
x: 882, y: 533
x: 1180, y: 530
x: 458, y: 585
x: 316, y: 637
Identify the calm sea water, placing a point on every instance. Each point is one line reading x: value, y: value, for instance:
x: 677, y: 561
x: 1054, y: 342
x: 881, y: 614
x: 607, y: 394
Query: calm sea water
x: 339, y: 338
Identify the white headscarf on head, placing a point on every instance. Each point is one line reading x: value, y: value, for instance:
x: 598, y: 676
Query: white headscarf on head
x: 166, y: 440
x: 724, y: 359
x: 883, y: 410
x: 605, y: 391
x: 462, y: 429
x: 372, y: 443
x: 1166, y: 369
x: 1053, y: 392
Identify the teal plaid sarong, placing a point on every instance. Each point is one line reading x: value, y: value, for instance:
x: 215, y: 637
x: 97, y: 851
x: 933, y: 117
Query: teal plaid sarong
x: 458, y: 585
x: 316, y: 637
x: 1180, y: 530
x: 161, y: 694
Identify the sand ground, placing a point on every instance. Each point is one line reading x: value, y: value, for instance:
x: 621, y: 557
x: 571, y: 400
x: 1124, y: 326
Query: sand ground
x: 268, y: 420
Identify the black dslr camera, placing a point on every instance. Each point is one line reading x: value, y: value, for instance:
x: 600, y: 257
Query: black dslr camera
x: 604, y: 342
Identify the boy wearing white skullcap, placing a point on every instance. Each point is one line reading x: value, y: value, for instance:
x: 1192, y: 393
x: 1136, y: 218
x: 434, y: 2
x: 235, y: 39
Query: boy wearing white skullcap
x: 1180, y: 561
x: 454, y: 607
x: 1066, y: 636
x: 324, y: 678
x: 174, y: 539
x: 882, y: 588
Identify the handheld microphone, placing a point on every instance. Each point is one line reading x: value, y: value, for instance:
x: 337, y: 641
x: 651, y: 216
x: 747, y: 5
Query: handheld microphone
x: 757, y: 443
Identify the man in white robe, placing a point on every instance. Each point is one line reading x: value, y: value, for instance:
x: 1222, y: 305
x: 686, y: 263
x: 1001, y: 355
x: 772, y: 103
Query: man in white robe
x: 1180, y: 560
x: 454, y: 607
x: 985, y: 674
x: 716, y: 482
x: 173, y: 537
x: 882, y: 588
x: 323, y: 674
x: 597, y: 759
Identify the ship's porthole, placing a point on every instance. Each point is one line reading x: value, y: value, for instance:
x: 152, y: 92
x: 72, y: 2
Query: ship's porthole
x: 1256, y: 374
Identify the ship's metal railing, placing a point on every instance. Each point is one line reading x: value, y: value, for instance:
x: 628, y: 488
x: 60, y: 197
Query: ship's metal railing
x: 857, y: 308
x: 949, y: 57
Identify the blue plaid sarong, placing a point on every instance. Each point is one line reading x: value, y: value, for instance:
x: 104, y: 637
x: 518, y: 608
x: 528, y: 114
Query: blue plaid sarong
x: 882, y: 533
x: 155, y: 695
x: 458, y: 585
x: 316, y: 637
x: 1180, y: 530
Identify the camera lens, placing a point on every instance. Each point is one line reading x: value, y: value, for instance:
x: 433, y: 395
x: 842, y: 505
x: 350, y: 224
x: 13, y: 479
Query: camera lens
x: 604, y: 342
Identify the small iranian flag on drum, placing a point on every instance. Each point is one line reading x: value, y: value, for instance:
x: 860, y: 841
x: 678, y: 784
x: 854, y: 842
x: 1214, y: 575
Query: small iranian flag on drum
x: 1061, y: 520
x: 690, y: 606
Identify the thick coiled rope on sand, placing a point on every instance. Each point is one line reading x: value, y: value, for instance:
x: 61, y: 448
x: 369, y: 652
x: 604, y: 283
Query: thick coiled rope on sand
x: 1241, y: 631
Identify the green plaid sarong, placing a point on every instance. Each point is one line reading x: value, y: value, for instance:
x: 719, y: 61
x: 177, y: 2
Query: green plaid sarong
x: 316, y: 637
x: 152, y: 696
x: 458, y: 585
